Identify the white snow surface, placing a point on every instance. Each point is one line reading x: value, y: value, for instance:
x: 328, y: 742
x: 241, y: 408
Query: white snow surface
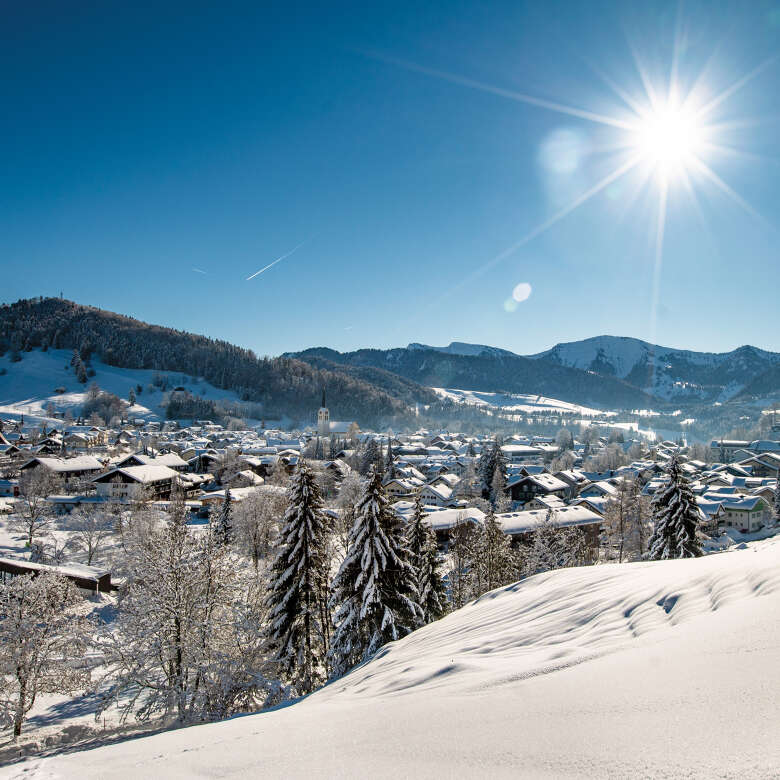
x: 662, y: 669
x: 28, y: 386
x: 520, y: 403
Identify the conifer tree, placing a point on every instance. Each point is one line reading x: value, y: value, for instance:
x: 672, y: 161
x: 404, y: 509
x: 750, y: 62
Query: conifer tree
x: 494, y: 559
x: 424, y: 557
x: 389, y: 463
x: 223, y: 528
x: 297, y: 628
x: 375, y: 599
x: 675, y: 517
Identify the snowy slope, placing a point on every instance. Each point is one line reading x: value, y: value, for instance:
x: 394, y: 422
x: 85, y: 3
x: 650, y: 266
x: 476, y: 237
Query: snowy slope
x: 652, y: 669
x: 517, y: 402
x: 665, y: 371
x: 27, y: 387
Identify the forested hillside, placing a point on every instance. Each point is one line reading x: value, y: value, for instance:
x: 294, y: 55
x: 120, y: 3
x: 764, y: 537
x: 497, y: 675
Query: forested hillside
x: 491, y: 372
x: 284, y: 386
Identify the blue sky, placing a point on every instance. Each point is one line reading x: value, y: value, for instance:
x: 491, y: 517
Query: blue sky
x: 140, y: 143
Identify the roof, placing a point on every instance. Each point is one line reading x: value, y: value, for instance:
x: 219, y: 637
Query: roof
x: 547, y: 482
x: 64, y: 465
x: 528, y: 520
x: 143, y: 474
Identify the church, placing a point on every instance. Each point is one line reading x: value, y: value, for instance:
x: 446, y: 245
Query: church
x: 328, y: 427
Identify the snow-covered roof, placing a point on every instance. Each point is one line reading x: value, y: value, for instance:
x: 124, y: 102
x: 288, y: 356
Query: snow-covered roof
x: 144, y: 474
x: 65, y: 465
x: 528, y: 520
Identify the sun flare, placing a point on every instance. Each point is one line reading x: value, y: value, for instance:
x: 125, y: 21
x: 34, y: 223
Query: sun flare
x: 669, y: 138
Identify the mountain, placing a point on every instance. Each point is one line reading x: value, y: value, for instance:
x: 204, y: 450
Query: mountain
x: 671, y: 374
x: 637, y: 670
x: 462, y: 348
x: 279, y: 387
x: 493, y: 372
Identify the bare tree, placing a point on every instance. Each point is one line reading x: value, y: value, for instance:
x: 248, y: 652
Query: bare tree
x: 89, y: 529
x: 257, y: 520
x: 185, y: 641
x: 34, y: 514
x: 44, y: 639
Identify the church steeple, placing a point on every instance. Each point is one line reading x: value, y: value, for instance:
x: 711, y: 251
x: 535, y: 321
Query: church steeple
x: 323, y: 418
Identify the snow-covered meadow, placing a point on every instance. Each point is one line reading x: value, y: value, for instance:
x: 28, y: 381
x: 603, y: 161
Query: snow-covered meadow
x: 662, y: 669
x: 29, y: 386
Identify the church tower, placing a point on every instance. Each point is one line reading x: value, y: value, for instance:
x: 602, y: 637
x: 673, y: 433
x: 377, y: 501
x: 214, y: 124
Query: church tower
x: 323, y: 418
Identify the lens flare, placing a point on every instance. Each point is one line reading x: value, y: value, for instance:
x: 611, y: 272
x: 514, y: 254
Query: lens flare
x: 522, y: 292
x: 670, y: 139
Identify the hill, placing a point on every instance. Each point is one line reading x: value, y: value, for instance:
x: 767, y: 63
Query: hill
x: 663, y: 669
x: 501, y: 372
x: 280, y: 387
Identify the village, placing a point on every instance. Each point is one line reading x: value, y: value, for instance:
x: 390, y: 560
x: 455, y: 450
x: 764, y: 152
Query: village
x: 48, y: 476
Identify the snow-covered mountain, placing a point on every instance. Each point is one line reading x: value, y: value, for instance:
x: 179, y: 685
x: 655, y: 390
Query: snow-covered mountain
x: 658, y: 669
x: 666, y: 372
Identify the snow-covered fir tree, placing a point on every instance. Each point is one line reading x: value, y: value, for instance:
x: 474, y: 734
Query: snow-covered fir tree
x: 370, y: 458
x: 675, y: 518
x: 424, y: 557
x: 495, y: 562
x: 491, y: 460
x: 389, y: 462
x: 298, y: 624
x: 223, y: 526
x: 374, y: 595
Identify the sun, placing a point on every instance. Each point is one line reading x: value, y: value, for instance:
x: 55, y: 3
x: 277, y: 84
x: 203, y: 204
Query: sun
x: 669, y: 138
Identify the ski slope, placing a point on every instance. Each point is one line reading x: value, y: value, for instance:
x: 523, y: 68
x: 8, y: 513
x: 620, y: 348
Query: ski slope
x: 652, y: 669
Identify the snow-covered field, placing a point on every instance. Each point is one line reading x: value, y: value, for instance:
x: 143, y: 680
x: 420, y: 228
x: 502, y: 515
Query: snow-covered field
x: 517, y: 403
x: 641, y: 670
x: 28, y: 387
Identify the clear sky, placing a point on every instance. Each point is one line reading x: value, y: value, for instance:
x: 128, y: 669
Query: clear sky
x: 155, y: 156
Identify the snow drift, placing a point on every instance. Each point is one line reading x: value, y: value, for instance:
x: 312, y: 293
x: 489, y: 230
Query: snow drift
x: 663, y: 669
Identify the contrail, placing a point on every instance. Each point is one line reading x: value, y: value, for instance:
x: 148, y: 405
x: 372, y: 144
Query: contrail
x: 200, y: 271
x: 278, y: 260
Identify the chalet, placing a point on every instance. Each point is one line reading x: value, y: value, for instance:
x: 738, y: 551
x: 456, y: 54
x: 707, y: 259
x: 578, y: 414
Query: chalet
x: 574, y: 479
x: 521, y: 525
x: 747, y: 514
x: 551, y: 502
x: 764, y: 465
x: 517, y: 453
x: 597, y: 504
x: 442, y: 521
x: 245, y: 478
x: 400, y: 488
x: 86, y: 578
x: 723, y: 450
x: 601, y: 488
x: 438, y: 495
x: 208, y: 460
x: 136, y: 482
x: 169, y: 459
x: 338, y: 469
x: 524, y: 489
x: 70, y: 470
x: 9, y: 488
